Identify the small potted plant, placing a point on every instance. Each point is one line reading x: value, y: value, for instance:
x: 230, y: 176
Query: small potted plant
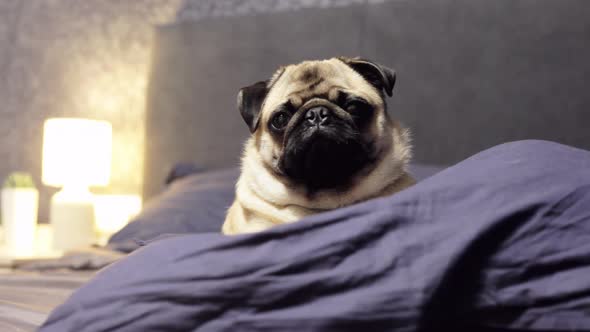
x: 19, y: 213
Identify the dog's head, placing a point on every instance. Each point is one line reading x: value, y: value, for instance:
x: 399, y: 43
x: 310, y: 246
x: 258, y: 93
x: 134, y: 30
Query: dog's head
x: 320, y: 123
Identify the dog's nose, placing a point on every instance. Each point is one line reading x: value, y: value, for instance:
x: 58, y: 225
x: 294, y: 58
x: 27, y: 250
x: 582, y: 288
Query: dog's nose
x: 317, y: 115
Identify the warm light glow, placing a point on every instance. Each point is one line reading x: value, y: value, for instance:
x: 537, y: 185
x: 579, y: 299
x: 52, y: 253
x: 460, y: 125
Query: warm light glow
x: 113, y: 212
x: 76, y: 152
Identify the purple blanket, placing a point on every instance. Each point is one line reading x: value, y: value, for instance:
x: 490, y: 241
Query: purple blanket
x: 500, y: 240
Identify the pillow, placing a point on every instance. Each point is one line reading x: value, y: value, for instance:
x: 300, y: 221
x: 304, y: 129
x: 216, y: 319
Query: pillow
x: 195, y: 201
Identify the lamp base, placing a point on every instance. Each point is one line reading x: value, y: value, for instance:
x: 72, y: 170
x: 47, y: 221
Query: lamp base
x: 72, y: 219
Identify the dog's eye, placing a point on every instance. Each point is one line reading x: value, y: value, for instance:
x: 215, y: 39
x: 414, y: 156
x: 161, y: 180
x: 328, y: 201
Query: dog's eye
x: 356, y: 105
x: 360, y: 111
x: 358, y: 108
x: 280, y: 120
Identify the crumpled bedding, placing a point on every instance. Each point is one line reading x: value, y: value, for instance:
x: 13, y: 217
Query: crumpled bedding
x: 500, y: 240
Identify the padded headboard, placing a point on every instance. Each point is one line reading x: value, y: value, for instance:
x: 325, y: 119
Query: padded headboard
x: 471, y: 74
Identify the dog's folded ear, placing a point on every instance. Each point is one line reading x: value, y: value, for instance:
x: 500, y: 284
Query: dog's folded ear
x: 379, y: 76
x: 250, y: 101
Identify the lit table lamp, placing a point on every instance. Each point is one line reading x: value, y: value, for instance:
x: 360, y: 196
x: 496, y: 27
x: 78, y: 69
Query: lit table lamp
x: 76, y: 155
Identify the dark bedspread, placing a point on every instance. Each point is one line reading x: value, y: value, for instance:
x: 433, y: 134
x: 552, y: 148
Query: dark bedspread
x: 499, y: 240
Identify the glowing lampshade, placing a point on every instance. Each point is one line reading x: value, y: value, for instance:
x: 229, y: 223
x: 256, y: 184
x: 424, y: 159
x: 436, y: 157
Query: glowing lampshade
x: 76, y: 151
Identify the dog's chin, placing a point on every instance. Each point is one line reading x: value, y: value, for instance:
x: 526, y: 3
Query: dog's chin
x: 325, y: 158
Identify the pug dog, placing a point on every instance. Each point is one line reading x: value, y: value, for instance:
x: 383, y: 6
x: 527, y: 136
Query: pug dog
x: 321, y: 139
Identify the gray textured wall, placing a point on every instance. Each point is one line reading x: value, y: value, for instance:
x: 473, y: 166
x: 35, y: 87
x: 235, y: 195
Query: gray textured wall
x: 75, y: 58
x: 90, y: 59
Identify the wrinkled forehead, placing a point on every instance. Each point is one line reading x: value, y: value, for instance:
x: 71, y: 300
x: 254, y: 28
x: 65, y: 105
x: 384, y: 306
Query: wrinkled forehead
x: 325, y: 78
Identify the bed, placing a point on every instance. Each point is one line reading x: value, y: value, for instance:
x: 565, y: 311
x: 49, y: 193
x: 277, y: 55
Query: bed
x: 27, y: 297
x: 471, y: 75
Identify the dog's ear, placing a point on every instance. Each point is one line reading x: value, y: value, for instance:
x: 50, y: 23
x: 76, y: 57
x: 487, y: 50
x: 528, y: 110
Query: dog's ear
x: 250, y: 101
x: 379, y: 76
